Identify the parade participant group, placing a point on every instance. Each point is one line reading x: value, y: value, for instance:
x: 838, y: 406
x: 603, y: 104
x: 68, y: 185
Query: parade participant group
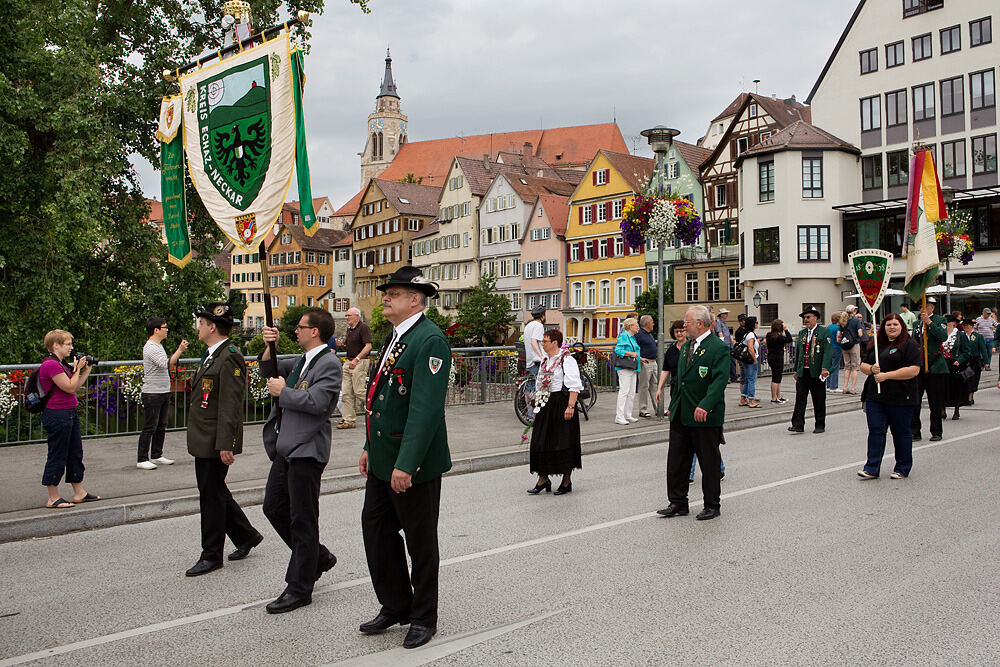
x: 406, y: 448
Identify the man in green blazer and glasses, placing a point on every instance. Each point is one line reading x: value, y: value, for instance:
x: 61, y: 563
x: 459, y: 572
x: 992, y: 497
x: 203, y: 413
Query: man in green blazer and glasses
x: 697, y: 412
x: 405, y: 454
x: 813, y: 365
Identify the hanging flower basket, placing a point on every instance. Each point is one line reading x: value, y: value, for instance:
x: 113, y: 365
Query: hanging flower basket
x: 955, y: 246
x: 659, y: 219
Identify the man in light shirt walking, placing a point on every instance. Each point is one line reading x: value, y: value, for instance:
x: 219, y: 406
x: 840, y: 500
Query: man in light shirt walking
x: 156, y: 394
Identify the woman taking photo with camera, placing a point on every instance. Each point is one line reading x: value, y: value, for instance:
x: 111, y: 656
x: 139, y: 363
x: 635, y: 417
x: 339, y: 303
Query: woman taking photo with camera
x: 555, y: 434
x: 890, y: 396
x: 60, y: 379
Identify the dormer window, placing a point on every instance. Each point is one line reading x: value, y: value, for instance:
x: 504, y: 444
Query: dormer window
x: 753, y: 111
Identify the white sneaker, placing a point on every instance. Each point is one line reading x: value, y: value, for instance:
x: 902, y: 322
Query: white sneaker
x: 145, y: 465
x: 621, y: 421
x: 632, y: 419
x: 163, y: 461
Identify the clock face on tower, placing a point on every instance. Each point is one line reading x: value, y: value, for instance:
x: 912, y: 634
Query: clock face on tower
x: 376, y: 124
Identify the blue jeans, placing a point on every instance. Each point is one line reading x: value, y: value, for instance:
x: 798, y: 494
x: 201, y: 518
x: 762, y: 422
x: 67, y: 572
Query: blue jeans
x: 65, y: 447
x: 883, y: 418
x: 694, y: 464
x: 833, y: 381
x: 749, y: 387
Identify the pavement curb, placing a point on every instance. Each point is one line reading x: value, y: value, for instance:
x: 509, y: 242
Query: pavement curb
x: 60, y: 521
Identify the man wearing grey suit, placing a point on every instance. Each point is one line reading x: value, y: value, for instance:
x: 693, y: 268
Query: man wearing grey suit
x: 297, y: 440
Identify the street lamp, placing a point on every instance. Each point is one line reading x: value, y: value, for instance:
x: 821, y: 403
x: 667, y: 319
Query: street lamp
x: 948, y: 194
x: 756, y: 298
x: 660, y: 139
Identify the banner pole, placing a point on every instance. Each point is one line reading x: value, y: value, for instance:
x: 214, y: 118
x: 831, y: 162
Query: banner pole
x: 923, y: 331
x: 300, y: 19
x: 878, y: 385
x: 272, y: 365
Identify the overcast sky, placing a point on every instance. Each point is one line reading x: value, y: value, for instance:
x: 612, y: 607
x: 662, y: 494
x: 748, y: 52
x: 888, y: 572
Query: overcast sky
x: 467, y: 67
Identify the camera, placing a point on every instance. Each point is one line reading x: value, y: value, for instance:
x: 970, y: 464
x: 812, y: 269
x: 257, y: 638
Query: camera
x: 89, y: 360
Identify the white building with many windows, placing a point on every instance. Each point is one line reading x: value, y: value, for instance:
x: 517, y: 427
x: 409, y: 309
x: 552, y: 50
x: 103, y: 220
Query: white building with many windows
x: 909, y: 69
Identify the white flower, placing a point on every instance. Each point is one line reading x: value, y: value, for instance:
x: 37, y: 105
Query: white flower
x: 662, y: 221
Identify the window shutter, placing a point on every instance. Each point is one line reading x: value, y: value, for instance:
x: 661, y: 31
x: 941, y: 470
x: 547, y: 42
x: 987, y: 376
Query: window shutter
x: 594, y: 177
x: 731, y: 195
x: 607, y: 210
x: 594, y: 327
x: 567, y: 252
x: 628, y: 249
x: 580, y: 212
x: 607, y: 327
x: 611, y: 247
x: 593, y: 212
x: 582, y: 255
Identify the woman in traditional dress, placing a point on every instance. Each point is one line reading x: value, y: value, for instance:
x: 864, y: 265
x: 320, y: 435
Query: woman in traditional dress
x: 555, y: 434
x: 979, y: 355
x: 956, y: 353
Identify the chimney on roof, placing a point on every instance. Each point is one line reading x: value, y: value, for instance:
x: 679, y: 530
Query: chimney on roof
x: 774, y: 96
x: 527, y: 148
x: 486, y: 162
x: 540, y: 174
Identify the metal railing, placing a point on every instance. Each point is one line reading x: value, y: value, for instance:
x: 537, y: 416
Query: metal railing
x: 110, y: 401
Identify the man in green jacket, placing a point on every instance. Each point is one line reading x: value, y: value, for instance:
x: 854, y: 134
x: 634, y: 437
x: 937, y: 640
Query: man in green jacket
x: 813, y: 362
x: 215, y: 437
x: 934, y: 375
x: 697, y: 412
x: 405, y: 454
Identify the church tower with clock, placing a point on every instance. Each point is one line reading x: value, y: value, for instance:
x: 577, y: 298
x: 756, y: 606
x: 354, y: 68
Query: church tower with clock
x: 386, y: 129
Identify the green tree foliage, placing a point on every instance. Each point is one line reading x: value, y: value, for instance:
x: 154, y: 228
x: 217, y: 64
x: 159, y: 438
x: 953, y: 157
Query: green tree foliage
x: 379, y: 326
x: 438, y: 318
x: 483, y: 316
x: 647, y: 302
x: 285, y: 345
x: 410, y: 178
x: 290, y: 319
x: 80, y: 90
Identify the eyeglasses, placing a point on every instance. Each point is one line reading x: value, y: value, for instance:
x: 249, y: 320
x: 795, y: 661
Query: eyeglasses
x: 304, y: 326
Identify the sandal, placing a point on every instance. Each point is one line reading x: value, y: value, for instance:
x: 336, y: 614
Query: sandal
x: 60, y: 504
x: 89, y: 498
x: 741, y: 404
x: 754, y: 404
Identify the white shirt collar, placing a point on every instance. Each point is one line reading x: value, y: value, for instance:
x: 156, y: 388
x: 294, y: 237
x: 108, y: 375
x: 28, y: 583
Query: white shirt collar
x: 213, y: 348
x: 699, y: 339
x: 407, y: 324
x: 311, y: 354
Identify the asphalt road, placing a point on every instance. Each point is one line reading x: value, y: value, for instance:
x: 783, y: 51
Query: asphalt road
x: 807, y: 565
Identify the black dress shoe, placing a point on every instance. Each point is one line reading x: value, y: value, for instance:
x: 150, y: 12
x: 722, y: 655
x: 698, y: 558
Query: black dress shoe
x: 708, y: 513
x: 673, y: 509
x: 287, y: 602
x: 538, y: 488
x: 935, y: 438
x: 819, y: 429
x: 418, y: 635
x: 916, y: 437
x: 380, y: 623
x: 242, y: 552
x: 796, y: 429
x: 563, y: 488
x: 325, y: 565
x: 203, y: 567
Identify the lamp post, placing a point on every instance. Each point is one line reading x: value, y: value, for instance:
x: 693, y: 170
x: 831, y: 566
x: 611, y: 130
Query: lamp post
x: 660, y: 140
x: 948, y: 194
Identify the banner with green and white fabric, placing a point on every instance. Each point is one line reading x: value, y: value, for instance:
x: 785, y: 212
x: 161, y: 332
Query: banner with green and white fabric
x: 175, y: 227
x: 240, y: 138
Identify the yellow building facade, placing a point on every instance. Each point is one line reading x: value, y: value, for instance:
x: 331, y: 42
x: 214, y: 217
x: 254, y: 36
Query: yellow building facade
x: 604, y: 276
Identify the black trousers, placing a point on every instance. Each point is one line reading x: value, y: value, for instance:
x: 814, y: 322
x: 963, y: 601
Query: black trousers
x: 685, y: 442
x: 156, y: 411
x: 291, y: 504
x: 403, y: 595
x: 935, y: 386
x: 220, y: 515
x: 815, y: 387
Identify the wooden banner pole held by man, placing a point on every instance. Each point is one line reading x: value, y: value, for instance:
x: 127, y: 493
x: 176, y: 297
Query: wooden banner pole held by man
x: 271, y: 369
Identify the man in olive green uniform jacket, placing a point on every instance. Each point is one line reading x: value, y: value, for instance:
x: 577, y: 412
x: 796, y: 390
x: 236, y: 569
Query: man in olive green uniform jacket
x: 697, y: 412
x: 933, y: 376
x: 405, y: 454
x: 215, y: 437
x: 813, y: 362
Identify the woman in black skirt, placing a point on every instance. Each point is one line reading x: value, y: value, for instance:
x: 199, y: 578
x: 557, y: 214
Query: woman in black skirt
x: 956, y: 352
x: 555, y: 434
x: 776, y: 340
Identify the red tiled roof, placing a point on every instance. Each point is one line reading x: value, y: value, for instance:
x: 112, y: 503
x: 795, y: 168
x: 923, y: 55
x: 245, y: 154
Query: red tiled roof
x: 410, y: 198
x: 799, y: 135
x: 350, y: 209
x: 693, y: 155
x: 155, y: 211
x: 556, y: 209
x: 782, y: 112
x: 429, y: 230
x: 529, y: 187
x: 348, y: 241
x: 562, y: 145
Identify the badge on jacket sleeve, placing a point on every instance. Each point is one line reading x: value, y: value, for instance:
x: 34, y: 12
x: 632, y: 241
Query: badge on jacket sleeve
x: 434, y: 364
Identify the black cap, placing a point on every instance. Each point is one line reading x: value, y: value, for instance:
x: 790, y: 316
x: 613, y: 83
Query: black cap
x: 410, y: 276
x: 741, y: 317
x: 950, y: 318
x: 537, y: 311
x: 217, y: 312
x: 969, y: 321
x: 810, y: 310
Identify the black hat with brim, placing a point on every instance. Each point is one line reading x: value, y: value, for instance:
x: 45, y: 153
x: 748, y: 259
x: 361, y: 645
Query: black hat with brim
x: 410, y: 276
x: 220, y: 313
x: 810, y: 310
x: 969, y: 321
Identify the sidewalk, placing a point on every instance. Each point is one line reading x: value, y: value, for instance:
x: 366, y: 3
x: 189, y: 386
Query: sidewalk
x: 481, y: 437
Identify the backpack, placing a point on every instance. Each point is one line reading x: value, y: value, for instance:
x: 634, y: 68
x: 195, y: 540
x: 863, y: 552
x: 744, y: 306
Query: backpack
x: 847, y: 340
x: 34, y: 398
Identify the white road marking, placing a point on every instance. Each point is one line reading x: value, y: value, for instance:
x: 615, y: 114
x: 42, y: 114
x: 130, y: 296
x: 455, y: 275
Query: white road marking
x: 228, y: 611
x: 401, y: 657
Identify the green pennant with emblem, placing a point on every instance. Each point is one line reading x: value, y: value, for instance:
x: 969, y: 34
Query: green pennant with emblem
x: 871, y: 269
x: 240, y: 138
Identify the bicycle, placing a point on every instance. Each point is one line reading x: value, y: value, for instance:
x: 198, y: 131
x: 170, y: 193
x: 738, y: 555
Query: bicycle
x: 524, y: 394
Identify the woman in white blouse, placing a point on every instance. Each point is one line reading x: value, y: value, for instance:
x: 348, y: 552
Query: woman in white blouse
x: 555, y: 434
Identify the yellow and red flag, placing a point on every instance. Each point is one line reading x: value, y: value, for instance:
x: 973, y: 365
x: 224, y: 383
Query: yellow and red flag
x: 924, y: 207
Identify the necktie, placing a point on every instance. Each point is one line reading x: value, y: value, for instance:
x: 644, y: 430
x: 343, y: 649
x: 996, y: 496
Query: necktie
x: 294, y: 377
x: 375, y: 378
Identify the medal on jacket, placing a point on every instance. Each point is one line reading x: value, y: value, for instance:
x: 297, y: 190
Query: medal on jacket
x: 206, y: 389
x: 398, y: 374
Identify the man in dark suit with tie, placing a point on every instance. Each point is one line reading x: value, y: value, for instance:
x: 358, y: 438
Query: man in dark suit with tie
x: 813, y: 365
x: 215, y: 437
x: 297, y: 440
x: 697, y: 412
x: 405, y: 454
x: 934, y: 376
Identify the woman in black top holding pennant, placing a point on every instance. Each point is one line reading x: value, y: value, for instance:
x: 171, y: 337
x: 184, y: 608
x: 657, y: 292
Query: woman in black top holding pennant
x: 890, y: 396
